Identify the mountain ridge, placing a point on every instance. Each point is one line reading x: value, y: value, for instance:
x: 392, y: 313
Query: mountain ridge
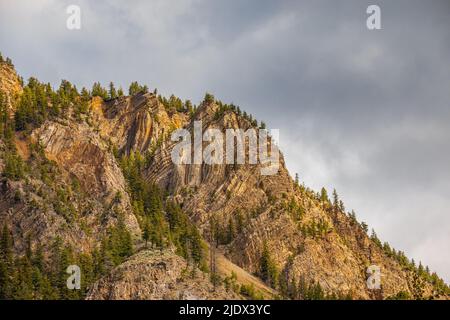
x: 111, y: 155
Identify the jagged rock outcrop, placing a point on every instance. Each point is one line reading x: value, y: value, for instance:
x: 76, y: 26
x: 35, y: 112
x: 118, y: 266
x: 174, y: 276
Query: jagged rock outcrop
x: 157, y: 275
x: 78, y: 150
x: 138, y: 123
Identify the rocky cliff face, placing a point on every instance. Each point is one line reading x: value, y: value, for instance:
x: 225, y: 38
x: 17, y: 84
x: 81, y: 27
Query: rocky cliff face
x: 137, y: 123
x: 9, y: 84
x: 72, y: 191
x: 156, y: 275
x: 76, y: 190
x: 337, y: 259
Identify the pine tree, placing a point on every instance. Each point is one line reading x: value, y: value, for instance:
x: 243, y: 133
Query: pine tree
x: 316, y: 292
x: 112, y: 91
x: 9, y: 62
x: 14, y: 167
x: 267, y: 269
x: 66, y: 259
x: 420, y: 269
x: 341, y: 206
x: 197, y: 248
x: 120, y: 242
x: 283, y: 283
x: 82, y: 105
x: 23, y: 288
x: 38, y: 258
x: 146, y: 233
x: 352, y: 216
x: 188, y: 106
x: 88, y: 272
x: 209, y: 98
x: 135, y: 88
x: 335, y: 200
x: 387, y: 249
x: 6, y: 263
x: 99, y: 91
x: 324, y: 195
x: 375, y: 239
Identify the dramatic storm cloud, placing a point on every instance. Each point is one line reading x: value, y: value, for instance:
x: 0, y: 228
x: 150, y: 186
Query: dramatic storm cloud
x: 365, y: 112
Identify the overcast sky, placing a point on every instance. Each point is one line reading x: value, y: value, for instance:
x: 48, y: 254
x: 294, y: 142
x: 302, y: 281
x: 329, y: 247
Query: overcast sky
x: 365, y: 112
